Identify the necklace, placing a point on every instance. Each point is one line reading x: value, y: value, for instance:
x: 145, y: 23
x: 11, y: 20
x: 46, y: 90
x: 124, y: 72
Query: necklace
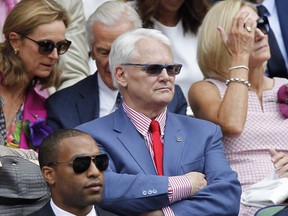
x: 2, y: 101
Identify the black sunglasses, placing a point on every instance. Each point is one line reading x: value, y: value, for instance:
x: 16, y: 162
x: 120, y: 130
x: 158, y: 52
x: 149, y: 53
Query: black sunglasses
x: 263, y: 24
x: 81, y: 163
x: 156, y: 69
x: 47, y: 46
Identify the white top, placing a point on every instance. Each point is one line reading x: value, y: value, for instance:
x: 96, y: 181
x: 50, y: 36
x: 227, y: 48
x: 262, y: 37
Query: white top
x: 184, y: 48
x: 60, y: 212
x: 107, y: 98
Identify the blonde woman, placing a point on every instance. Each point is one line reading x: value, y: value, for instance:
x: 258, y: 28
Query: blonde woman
x: 232, y: 54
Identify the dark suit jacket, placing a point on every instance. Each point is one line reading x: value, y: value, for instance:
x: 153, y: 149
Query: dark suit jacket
x: 190, y: 145
x: 46, y: 210
x: 282, y: 8
x: 79, y: 103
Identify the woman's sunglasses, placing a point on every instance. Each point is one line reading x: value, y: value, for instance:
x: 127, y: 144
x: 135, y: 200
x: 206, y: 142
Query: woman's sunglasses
x: 263, y: 24
x: 81, y: 163
x: 156, y: 69
x: 47, y: 46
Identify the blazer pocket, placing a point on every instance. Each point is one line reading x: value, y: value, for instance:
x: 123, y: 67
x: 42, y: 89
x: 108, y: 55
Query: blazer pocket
x: 196, y: 166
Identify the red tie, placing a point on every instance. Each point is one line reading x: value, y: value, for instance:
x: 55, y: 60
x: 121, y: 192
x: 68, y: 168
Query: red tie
x: 157, y: 146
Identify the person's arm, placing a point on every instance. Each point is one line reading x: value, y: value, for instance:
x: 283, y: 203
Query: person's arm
x: 222, y: 194
x: 74, y: 63
x: 230, y: 113
x: 204, y: 98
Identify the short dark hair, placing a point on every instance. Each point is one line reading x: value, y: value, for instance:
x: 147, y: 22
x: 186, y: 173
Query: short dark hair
x: 49, y: 148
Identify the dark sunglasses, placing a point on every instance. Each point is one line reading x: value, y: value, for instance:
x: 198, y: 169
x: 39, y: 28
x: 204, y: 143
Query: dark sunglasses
x: 263, y: 24
x: 81, y: 163
x: 47, y: 46
x: 156, y: 69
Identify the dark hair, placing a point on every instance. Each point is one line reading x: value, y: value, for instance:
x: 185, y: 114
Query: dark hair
x: 192, y: 13
x: 23, y: 19
x: 49, y: 149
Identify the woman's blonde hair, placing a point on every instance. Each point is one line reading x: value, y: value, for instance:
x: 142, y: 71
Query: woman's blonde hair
x: 23, y: 19
x: 213, y: 57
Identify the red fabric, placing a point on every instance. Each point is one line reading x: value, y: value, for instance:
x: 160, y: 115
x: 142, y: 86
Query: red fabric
x: 157, y: 146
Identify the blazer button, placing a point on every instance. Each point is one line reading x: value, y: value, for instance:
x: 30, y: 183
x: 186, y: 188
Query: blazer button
x: 144, y: 193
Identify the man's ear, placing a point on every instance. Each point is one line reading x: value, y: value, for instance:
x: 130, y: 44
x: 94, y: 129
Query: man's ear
x: 120, y: 76
x: 49, y: 174
x: 91, y: 54
x: 14, y: 40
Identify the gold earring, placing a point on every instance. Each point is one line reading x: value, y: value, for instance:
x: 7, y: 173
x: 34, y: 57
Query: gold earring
x: 16, y: 51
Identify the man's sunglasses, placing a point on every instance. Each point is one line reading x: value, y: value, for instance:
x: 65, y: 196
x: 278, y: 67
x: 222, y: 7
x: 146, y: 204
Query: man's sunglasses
x: 47, y: 46
x: 263, y: 24
x: 81, y: 163
x: 156, y: 69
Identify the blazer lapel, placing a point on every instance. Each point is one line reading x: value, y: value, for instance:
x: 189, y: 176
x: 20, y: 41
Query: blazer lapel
x: 133, y: 141
x: 88, y: 101
x: 173, y: 145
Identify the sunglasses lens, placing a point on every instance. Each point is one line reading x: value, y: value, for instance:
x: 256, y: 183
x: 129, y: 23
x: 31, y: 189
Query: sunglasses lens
x: 263, y: 24
x: 101, y: 162
x: 81, y: 164
x: 63, y: 46
x: 154, y: 69
x: 173, y: 69
x: 46, y: 47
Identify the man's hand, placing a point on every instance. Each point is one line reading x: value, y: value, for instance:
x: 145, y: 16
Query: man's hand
x: 197, y: 180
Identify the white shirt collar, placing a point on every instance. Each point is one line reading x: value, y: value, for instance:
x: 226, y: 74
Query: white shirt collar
x: 60, y: 212
x: 107, y: 98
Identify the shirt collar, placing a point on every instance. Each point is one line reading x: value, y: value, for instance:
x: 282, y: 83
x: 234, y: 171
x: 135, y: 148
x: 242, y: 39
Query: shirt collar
x: 142, y: 122
x: 104, y: 88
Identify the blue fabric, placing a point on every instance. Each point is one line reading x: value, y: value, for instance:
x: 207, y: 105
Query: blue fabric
x: 131, y: 183
x: 276, y: 64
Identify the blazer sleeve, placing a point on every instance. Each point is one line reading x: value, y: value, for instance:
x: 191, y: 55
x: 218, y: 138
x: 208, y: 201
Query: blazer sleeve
x: 222, y: 194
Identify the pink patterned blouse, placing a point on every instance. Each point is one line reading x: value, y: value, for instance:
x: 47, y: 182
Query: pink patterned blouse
x: 264, y: 129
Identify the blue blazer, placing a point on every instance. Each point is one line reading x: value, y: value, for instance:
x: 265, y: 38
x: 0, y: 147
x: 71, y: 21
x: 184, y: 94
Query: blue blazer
x: 190, y: 145
x: 79, y: 103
